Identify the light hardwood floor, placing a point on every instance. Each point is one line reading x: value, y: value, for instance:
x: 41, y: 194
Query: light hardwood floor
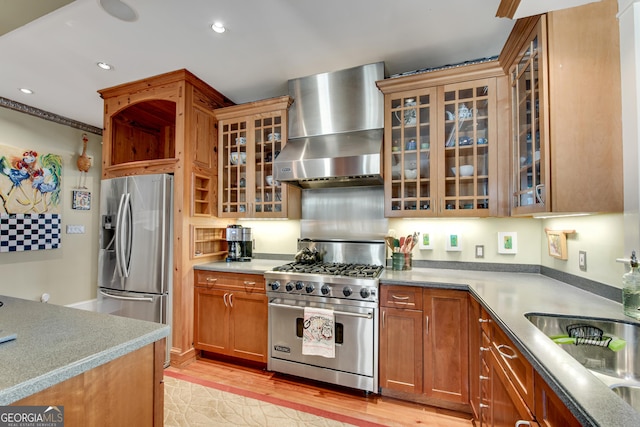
x: 373, y: 408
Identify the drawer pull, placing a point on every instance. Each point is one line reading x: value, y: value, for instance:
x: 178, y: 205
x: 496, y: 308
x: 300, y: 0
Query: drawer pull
x: 520, y: 423
x: 211, y: 279
x: 483, y: 406
x: 248, y: 283
x: 483, y: 378
x: 513, y: 354
x: 400, y: 298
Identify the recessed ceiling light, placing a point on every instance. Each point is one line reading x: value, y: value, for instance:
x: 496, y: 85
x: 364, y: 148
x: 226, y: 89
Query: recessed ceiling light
x: 26, y: 91
x: 119, y: 10
x: 104, y: 65
x: 218, y: 27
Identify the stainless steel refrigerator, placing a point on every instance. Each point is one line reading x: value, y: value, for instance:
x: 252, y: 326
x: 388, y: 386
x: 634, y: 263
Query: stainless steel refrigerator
x: 135, y: 260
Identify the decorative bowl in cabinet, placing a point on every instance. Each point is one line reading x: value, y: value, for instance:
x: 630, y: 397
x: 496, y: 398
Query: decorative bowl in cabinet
x: 466, y: 170
x: 410, y: 173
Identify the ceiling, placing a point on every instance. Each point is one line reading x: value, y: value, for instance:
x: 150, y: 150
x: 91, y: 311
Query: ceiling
x: 266, y: 44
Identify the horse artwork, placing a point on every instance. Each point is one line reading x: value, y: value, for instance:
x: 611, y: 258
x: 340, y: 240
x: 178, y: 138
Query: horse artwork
x: 30, y: 186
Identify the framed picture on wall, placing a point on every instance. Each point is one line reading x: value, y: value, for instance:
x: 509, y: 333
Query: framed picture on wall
x: 507, y: 242
x: 81, y: 200
x: 454, y: 242
x: 557, y: 242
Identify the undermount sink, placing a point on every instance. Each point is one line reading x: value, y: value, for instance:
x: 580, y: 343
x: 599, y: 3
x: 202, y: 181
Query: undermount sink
x: 619, y: 370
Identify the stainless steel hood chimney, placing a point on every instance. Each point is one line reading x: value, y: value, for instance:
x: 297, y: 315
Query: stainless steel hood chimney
x: 335, y: 130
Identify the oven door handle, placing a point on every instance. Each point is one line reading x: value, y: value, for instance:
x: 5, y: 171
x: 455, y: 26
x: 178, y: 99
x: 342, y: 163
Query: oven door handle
x: 341, y: 313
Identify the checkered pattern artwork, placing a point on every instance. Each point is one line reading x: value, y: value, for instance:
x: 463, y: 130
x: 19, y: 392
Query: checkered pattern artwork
x: 29, y: 232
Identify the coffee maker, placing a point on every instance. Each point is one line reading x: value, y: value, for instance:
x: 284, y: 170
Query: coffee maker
x: 240, y: 243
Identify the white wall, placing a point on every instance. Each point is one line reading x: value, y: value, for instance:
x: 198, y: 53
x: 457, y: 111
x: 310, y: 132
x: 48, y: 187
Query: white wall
x: 69, y: 273
x: 601, y: 236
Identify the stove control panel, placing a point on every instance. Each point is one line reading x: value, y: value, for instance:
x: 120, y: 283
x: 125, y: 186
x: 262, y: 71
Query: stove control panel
x: 362, y: 290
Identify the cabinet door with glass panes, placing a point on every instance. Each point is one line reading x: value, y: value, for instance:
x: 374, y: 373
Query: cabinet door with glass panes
x: 250, y: 137
x: 530, y: 177
x: 467, y: 141
x: 268, y: 193
x: 235, y: 151
x: 410, y: 128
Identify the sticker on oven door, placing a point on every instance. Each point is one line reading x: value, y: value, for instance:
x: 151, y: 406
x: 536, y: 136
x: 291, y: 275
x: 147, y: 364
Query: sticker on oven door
x: 282, y: 348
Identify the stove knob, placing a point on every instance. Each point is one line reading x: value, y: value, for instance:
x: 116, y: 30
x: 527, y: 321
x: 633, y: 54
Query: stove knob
x: 365, y: 293
x: 289, y: 287
x: 347, y: 291
x: 325, y: 289
x: 299, y: 285
x: 309, y: 288
x: 275, y: 285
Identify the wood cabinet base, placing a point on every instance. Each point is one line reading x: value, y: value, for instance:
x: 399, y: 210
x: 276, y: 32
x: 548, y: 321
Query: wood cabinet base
x: 421, y: 398
x: 128, y: 391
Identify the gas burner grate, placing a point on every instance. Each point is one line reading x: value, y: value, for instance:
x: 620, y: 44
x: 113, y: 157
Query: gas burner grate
x: 333, y: 269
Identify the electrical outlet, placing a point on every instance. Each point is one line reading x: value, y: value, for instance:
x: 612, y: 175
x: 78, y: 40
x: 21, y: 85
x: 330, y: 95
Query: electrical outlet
x: 582, y: 260
x: 479, y: 251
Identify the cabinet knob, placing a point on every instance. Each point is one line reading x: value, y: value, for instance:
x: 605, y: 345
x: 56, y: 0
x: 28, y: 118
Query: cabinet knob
x: 483, y: 406
x: 481, y: 320
x: 485, y: 349
x: 483, y: 378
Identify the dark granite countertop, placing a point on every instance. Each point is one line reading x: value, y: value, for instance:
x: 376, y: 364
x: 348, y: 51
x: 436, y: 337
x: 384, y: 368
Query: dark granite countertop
x: 508, y: 297
x: 55, y: 343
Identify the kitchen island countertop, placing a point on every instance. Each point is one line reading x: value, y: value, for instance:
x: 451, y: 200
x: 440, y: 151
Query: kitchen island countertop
x: 508, y: 297
x: 55, y: 343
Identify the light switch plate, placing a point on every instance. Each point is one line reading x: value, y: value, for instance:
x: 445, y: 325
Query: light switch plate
x: 75, y: 229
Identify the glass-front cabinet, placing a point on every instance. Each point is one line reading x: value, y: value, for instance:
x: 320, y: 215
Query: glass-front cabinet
x: 530, y: 152
x: 250, y: 137
x: 411, y: 184
x: 468, y: 138
x: 441, y: 144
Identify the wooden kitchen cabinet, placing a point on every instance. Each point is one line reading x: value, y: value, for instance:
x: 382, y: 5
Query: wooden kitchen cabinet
x: 436, y: 122
x: 230, y: 315
x: 507, y: 407
x: 401, y: 339
x: 566, y: 137
x: 166, y: 124
x: 126, y: 391
x: 549, y: 409
x: 479, y: 371
x: 423, y: 348
x: 250, y: 137
x: 446, y: 345
x: 504, y: 387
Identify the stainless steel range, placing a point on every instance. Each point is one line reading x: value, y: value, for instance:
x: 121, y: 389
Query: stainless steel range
x: 344, y: 282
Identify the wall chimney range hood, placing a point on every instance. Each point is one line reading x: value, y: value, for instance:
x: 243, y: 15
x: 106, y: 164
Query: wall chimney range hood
x: 335, y: 130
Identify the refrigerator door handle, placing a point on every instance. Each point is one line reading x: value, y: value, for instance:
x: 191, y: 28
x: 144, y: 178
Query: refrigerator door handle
x: 108, y: 295
x: 123, y: 242
x: 118, y: 237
